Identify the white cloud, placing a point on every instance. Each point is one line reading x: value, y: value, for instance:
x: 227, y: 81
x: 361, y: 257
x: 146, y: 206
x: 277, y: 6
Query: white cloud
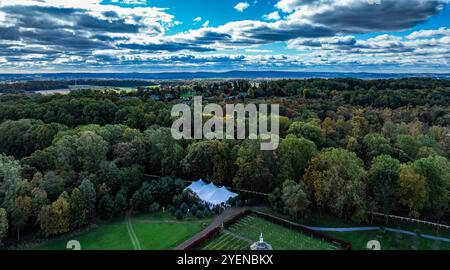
x: 258, y: 51
x: 130, y: 2
x: 112, y: 35
x: 241, y: 6
x: 429, y: 33
x: 205, y: 24
x: 273, y: 16
x: 290, y: 5
x: 380, y: 50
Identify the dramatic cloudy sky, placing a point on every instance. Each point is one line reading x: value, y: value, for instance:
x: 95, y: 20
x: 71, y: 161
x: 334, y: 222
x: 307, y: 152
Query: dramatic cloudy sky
x: 192, y: 35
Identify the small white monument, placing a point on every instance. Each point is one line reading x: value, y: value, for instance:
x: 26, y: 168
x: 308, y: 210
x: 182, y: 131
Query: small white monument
x: 261, y: 245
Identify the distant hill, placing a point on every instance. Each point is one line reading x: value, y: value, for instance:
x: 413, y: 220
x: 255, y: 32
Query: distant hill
x: 223, y: 75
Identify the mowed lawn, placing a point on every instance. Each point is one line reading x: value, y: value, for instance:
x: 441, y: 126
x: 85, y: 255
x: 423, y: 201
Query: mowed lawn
x: 111, y: 236
x: 154, y: 232
x: 248, y: 229
x: 388, y: 240
x: 165, y: 232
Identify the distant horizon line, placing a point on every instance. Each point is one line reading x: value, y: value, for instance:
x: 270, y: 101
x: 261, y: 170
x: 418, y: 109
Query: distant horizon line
x: 222, y: 72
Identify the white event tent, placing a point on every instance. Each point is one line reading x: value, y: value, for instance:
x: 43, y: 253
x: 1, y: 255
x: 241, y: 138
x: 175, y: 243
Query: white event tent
x: 210, y: 193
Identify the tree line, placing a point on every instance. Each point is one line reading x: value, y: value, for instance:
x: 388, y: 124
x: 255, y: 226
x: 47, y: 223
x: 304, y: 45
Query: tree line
x: 67, y: 160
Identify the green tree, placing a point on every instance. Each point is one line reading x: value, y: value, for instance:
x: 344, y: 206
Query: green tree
x: 130, y: 177
x: 163, y: 153
x: 23, y: 137
x: 91, y: 150
x: 294, y: 155
x: 77, y: 209
x: 3, y: 224
x: 295, y: 198
x: 223, y: 167
x: 384, y: 175
x: 21, y: 213
x: 18, y: 221
x: 255, y: 168
x: 106, y: 207
x: 198, y: 162
x: 120, y: 202
x: 10, y: 181
x: 274, y: 199
x: 375, y: 145
x: 89, y: 196
x: 409, y: 145
x: 338, y: 180
x: 308, y: 130
x: 413, y: 190
x: 65, y: 153
x: 38, y: 200
x: 209, y: 160
x: 292, y: 88
x: 53, y: 184
x: 436, y: 170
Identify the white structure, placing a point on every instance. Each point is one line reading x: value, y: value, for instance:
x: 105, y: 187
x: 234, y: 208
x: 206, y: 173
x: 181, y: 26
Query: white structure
x: 211, y: 194
x: 261, y: 245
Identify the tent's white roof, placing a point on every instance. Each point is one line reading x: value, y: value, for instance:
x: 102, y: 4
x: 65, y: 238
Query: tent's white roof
x: 197, y: 186
x: 211, y: 193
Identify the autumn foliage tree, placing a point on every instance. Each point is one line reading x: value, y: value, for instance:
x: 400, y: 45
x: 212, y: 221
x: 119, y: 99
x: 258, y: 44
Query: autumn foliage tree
x: 338, y: 180
x: 54, y: 219
x: 413, y: 190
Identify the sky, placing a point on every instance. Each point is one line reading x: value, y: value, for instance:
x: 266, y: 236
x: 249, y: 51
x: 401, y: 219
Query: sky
x: 220, y: 35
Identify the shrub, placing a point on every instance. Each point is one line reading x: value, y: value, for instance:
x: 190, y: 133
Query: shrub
x: 199, y: 214
x: 179, y: 214
x: 155, y: 207
x: 194, y: 209
x: 239, y: 203
x: 177, y: 199
x: 184, y: 207
x: 207, y: 213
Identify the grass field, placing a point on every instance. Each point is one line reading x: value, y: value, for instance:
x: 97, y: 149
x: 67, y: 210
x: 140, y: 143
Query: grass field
x: 154, y: 232
x: 246, y: 231
x: 388, y: 240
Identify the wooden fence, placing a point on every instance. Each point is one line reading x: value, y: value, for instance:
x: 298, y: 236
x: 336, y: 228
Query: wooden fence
x: 411, y: 220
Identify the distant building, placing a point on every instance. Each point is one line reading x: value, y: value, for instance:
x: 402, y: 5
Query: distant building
x: 261, y: 245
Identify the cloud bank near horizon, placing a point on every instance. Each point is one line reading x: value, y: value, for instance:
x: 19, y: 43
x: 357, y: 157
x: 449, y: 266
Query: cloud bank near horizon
x: 292, y: 34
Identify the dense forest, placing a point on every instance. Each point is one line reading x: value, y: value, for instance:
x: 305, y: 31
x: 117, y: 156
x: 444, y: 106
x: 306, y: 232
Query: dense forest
x: 37, y: 85
x: 348, y: 146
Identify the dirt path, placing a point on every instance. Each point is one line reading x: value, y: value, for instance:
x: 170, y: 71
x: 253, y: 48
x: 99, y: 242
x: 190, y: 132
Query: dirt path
x: 218, y: 221
x: 131, y: 233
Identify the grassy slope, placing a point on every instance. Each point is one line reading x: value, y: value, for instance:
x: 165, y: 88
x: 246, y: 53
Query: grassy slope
x: 155, y: 232
x: 163, y: 232
x: 112, y: 236
x: 279, y: 237
x: 388, y: 240
x: 225, y: 242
